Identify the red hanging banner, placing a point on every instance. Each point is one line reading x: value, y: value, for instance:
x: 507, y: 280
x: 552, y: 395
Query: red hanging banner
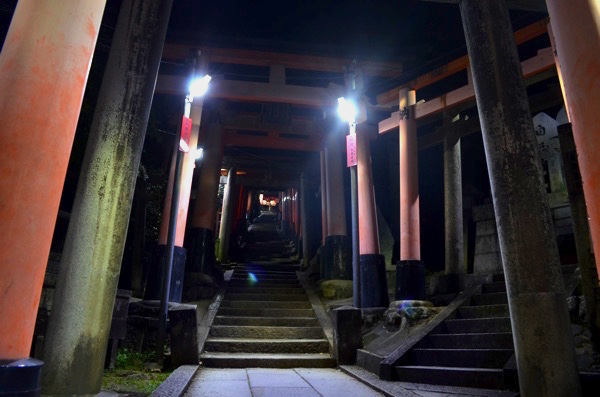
x: 186, y: 130
x: 351, y: 157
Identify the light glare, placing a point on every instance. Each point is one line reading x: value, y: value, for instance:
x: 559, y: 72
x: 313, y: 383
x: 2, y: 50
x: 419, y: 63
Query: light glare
x: 347, y: 110
x: 199, y: 86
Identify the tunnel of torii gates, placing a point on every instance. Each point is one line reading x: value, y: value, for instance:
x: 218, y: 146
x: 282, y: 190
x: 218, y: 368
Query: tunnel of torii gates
x: 43, y: 73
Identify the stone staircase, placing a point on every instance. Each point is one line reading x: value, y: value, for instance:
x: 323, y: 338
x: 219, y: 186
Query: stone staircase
x: 266, y: 320
x: 470, y: 349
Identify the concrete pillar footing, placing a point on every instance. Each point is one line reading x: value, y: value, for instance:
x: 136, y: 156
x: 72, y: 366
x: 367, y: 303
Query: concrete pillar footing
x: 410, y: 280
x: 373, y: 281
x: 20, y: 377
x: 153, y: 285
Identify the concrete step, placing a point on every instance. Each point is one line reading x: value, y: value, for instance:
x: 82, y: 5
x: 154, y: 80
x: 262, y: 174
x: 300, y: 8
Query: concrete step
x: 474, y: 325
x: 494, y: 298
x: 259, y: 270
x: 498, y: 340
x: 265, y: 332
x: 498, y: 286
x: 246, y: 281
x: 266, y: 304
x: 483, y: 311
x: 488, y: 378
x: 265, y: 312
x: 239, y: 345
x: 277, y: 290
x: 264, y: 297
x: 265, y: 276
x: 265, y: 360
x: 474, y: 358
x: 266, y: 321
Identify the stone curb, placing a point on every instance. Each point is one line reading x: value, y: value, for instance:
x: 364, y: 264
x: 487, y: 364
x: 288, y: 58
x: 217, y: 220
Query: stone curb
x: 177, y: 383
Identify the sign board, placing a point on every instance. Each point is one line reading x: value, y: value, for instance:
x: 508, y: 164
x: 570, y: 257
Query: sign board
x: 186, y: 130
x: 351, y: 157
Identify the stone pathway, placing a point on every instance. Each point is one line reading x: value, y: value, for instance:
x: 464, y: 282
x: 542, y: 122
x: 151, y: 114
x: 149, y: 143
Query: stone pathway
x: 269, y: 382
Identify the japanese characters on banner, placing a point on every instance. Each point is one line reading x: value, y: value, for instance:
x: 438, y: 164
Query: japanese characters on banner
x: 186, y: 130
x: 351, y: 156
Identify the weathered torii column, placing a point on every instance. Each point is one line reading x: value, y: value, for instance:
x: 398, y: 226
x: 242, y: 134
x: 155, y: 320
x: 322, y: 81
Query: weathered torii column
x: 227, y: 216
x: 453, y: 208
x: 43, y: 72
x: 82, y: 309
x: 576, y: 28
x: 410, y: 272
x: 337, y: 257
x: 373, y: 280
x: 540, y: 322
x: 201, y: 235
x: 323, y: 198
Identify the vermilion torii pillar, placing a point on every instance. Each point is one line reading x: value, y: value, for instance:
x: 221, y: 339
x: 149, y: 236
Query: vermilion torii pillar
x: 201, y: 235
x: 410, y: 272
x: 373, y: 280
x: 540, y: 322
x: 44, y: 66
x: 337, y: 257
x: 185, y: 186
x: 576, y: 28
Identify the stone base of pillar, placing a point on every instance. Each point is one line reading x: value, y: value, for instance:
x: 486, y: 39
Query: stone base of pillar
x: 410, y: 280
x: 154, y: 281
x: 20, y: 377
x: 373, y: 281
x: 451, y: 283
x: 201, y: 252
x: 337, y: 258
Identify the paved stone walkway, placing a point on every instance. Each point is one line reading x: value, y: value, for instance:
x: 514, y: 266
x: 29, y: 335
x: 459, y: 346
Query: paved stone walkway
x: 267, y: 382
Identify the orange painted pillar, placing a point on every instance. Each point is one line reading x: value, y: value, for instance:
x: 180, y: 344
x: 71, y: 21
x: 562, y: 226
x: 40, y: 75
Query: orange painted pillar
x: 187, y: 172
x: 410, y: 274
x: 373, y: 279
x: 44, y: 66
x: 367, y: 213
x: 410, y: 244
x: 576, y: 29
x: 323, y: 199
x: 201, y: 235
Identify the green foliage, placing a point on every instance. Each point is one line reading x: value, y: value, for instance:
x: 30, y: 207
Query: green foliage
x: 127, y: 359
x: 130, y: 375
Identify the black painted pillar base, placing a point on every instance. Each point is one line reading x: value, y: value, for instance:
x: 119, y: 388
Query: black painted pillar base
x: 337, y: 264
x: 154, y: 282
x: 373, y: 281
x: 410, y: 280
x: 20, y: 377
x: 201, y: 250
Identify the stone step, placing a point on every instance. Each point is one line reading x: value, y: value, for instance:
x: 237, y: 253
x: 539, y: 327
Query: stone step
x: 474, y: 358
x: 264, y: 297
x: 266, y: 332
x: 483, y: 311
x: 494, y: 298
x: 245, y: 281
x: 266, y: 304
x: 497, y: 340
x: 499, y: 286
x: 265, y: 360
x: 474, y: 325
x: 287, y: 290
x: 262, y: 312
x: 488, y: 378
x: 239, y: 345
x: 267, y: 321
x: 265, y: 273
x: 260, y: 270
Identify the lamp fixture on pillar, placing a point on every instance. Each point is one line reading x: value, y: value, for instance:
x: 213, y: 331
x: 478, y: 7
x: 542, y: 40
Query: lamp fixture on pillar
x: 197, y: 88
